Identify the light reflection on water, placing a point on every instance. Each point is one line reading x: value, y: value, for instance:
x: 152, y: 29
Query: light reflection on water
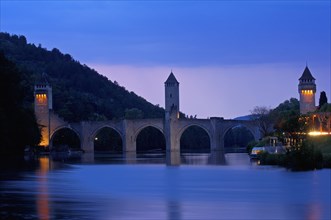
x: 143, y: 187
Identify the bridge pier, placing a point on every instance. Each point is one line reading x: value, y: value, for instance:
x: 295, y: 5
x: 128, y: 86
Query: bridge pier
x: 170, y: 123
x: 129, y: 142
x: 86, y: 138
x: 173, y: 158
x: 216, y: 142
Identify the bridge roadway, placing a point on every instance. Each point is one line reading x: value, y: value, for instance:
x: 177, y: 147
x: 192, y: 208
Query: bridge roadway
x: 171, y: 128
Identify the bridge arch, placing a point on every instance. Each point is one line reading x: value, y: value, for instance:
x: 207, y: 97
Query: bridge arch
x: 193, y: 125
x: 149, y: 138
x: 54, y: 135
x: 95, y: 131
x: 145, y: 126
x: 112, y: 139
x: 236, y: 139
x: 247, y: 126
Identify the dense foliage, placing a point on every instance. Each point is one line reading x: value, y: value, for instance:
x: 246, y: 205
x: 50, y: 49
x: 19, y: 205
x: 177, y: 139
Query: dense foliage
x: 307, y: 153
x: 286, y: 117
x: 18, y: 126
x: 322, y: 100
x: 79, y: 92
x: 298, y: 158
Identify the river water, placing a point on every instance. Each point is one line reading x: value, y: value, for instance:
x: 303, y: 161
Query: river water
x: 145, y: 187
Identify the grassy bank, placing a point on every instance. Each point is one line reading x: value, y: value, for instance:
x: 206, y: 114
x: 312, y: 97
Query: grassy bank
x: 315, y: 153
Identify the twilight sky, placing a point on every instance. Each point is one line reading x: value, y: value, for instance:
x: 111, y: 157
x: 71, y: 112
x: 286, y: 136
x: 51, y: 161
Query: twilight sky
x: 229, y: 56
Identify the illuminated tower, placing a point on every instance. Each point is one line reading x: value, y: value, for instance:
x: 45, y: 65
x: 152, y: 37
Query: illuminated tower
x: 172, y: 96
x: 42, y: 105
x: 307, y: 90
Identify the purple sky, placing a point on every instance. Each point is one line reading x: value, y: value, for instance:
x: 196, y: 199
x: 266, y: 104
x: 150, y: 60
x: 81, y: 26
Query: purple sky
x: 229, y: 56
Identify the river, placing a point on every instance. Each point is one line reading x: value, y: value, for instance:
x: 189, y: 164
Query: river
x: 195, y: 186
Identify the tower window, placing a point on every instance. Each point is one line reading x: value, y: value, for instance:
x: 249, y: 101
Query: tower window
x: 307, y: 92
x: 41, y: 99
x: 170, y: 95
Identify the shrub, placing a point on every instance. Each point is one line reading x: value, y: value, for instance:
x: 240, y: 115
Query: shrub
x: 273, y: 159
x: 305, y: 157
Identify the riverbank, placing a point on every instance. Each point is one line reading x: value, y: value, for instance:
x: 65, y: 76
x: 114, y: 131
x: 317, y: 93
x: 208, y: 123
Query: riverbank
x: 315, y: 153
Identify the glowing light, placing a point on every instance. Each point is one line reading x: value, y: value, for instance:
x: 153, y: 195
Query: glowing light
x: 41, y: 98
x: 318, y: 133
x: 307, y: 92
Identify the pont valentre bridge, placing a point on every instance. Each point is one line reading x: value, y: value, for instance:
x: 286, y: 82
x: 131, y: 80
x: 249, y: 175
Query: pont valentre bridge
x: 171, y: 126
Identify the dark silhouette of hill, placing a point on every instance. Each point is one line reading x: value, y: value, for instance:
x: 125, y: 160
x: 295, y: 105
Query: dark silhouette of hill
x: 18, y: 126
x: 79, y: 92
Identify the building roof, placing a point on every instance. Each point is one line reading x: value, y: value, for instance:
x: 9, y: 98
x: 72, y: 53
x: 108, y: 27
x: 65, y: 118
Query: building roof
x: 171, y: 79
x: 306, y: 75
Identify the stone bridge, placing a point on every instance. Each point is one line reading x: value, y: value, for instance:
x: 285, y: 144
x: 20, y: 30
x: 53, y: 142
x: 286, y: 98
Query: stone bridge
x: 171, y: 128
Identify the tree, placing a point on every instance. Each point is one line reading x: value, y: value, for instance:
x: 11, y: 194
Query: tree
x: 261, y: 115
x: 323, y: 99
x: 325, y: 108
x: 18, y: 126
x: 286, y: 117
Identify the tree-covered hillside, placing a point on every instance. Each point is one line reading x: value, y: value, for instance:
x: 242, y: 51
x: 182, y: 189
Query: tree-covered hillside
x: 79, y: 92
x: 18, y: 127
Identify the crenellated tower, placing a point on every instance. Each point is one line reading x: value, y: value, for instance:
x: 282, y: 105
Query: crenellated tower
x: 307, y: 90
x: 43, y: 103
x: 172, y: 96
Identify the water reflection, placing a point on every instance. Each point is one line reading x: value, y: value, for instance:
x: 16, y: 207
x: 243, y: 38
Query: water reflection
x: 42, y: 195
x: 169, y: 158
x: 174, y: 211
x: 314, y: 211
x: 117, y: 187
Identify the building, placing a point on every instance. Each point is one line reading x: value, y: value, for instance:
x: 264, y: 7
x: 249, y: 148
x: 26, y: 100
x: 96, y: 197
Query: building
x: 307, y: 90
x: 43, y: 105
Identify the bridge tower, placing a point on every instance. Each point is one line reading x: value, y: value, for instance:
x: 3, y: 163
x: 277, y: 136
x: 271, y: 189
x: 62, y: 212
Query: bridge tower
x: 172, y: 96
x: 43, y: 103
x: 307, y: 90
x: 171, y: 112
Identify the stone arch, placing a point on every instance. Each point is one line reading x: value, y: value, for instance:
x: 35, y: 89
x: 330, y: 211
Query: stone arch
x: 111, y: 128
x: 95, y: 131
x: 226, y: 132
x: 55, y: 131
x: 186, y: 127
x: 248, y: 127
x: 145, y: 126
x: 150, y: 143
